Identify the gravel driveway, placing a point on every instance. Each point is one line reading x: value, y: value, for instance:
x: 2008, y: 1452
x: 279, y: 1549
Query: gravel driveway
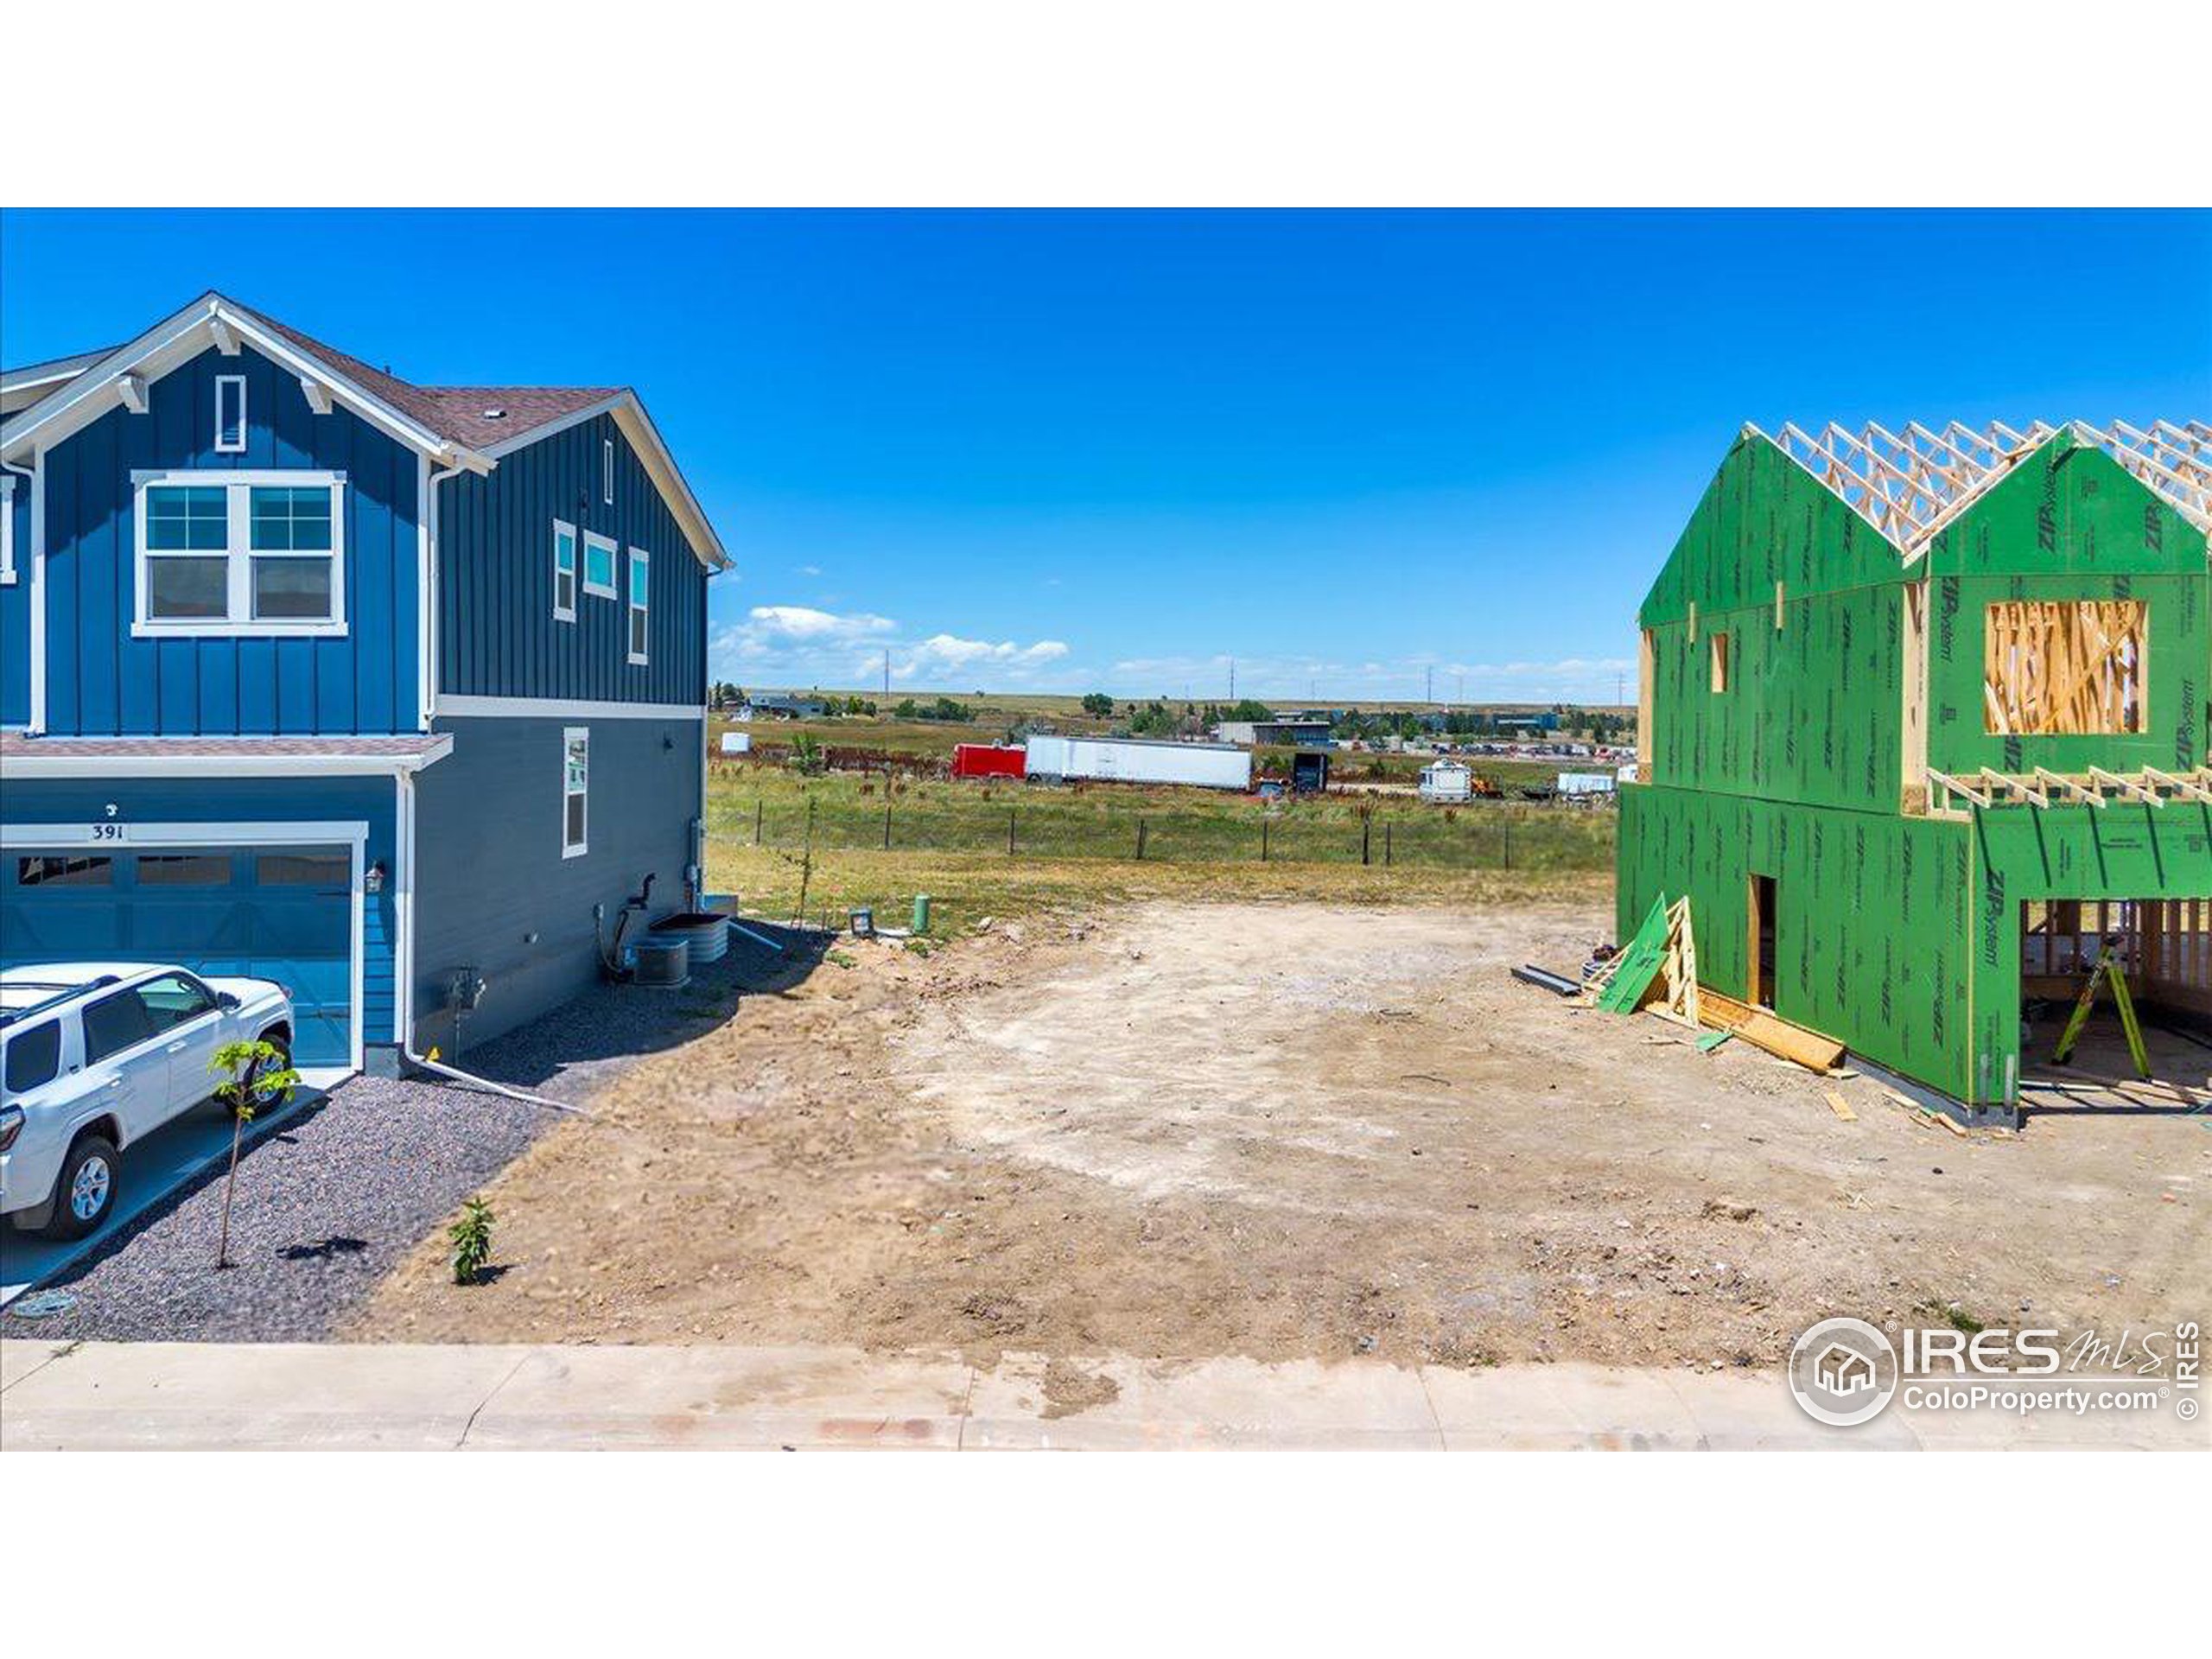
x: 330, y: 1198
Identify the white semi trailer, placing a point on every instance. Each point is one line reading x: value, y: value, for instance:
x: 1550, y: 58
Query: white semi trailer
x: 1138, y: 761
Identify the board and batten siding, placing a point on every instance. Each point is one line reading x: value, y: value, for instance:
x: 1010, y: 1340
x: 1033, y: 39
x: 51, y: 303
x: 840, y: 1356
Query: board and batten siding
x: 101, y: 682
x: 497, y: 634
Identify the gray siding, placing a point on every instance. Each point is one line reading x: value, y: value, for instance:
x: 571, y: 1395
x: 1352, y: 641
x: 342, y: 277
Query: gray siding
x: 489, y: 872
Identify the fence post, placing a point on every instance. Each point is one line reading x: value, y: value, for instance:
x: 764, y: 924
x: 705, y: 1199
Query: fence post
x: 1010, y: 811
x: 1140, y: 840
x: 759, y: 808
x: 1509, y: 843
x: 886, y: 813
x: 1387, y: 828
x: 1263, y: 840
x: 1366, y: 840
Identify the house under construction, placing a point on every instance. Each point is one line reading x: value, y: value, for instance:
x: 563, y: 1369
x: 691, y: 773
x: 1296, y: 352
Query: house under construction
x: 1924, y: 721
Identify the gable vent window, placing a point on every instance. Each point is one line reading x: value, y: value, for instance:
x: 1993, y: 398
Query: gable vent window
x: 606, y: 471
x: 640, y: 585
x: 576, y: 788
x: 230, y: 413
x: 564, y: 571
x: 1721, y: 661
x: 240, y: 553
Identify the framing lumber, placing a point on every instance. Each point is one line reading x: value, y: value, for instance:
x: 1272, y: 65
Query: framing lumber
x: 1769, y: 1032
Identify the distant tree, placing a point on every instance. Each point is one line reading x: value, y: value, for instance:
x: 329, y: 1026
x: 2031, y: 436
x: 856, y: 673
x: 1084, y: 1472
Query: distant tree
x: 908, y: 709
x: 1098, y: 704
x: 1248, y: 709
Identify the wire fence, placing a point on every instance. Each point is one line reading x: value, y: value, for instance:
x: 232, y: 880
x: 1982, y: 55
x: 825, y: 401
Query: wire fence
x: 1016, y: 824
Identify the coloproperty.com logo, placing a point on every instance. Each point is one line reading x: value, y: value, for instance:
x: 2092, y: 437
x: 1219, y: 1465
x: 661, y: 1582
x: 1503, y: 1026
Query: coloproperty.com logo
x: 1845, y: 1372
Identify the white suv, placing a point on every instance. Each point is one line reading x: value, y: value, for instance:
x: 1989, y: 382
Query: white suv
x: 95, y: 1054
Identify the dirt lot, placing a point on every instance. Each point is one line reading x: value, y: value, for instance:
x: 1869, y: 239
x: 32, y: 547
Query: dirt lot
x: 1279, y: 1130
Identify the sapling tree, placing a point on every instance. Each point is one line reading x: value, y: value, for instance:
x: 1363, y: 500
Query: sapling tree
x: 472, y: 1241
x: 255, y: 1073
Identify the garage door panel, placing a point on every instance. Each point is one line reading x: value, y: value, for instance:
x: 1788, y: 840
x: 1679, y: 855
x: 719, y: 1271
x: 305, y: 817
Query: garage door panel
x: 266, y: 912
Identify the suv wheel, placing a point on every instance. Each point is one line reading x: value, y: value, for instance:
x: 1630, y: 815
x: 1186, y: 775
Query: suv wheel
x: 84, y: 1191
x: 259, y: 1068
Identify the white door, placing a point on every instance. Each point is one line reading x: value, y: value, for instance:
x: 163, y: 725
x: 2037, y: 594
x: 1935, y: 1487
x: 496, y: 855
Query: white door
x: 191, y: 1027
x: 126, y: 1064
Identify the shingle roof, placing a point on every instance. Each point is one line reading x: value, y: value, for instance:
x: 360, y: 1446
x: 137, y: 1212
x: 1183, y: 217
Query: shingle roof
x: 460, y: 413
x: 1910, y: 485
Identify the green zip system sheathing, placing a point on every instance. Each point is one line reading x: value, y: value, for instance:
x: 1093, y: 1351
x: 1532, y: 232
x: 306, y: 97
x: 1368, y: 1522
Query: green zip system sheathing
x: 1895, y: 931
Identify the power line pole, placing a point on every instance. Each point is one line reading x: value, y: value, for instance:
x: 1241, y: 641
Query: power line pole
x: 1428, y: 684
x: 886, y: 674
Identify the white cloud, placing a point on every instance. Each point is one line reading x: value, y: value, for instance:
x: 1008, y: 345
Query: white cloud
x: 800, y: 645
x: 803, y: 622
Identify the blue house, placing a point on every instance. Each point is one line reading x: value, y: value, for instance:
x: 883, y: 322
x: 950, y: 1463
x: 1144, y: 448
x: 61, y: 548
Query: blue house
x: 393, y: 692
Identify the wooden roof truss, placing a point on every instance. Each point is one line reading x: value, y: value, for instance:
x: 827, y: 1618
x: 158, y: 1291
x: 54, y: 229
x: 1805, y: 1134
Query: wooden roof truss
x: 1988, y: 788
x: 1910, y: 485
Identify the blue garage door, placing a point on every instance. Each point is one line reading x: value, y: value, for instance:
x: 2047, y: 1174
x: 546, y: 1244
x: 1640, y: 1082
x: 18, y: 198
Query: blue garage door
x: 284, y: 913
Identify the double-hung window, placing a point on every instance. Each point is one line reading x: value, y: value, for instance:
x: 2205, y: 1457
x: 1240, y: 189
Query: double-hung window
x: 599, y: 564
x: 564, y: 571
x: 576, y: 788
x: 240, y: 553
x: 640, y: 602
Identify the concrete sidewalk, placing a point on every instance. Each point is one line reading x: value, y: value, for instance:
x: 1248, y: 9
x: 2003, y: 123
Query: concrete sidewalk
x: 57, y: 1395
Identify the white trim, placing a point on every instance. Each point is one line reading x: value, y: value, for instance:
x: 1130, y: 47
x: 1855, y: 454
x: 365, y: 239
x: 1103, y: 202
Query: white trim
x: 239, y: 620
x: 466, y: 707
x: 150, y: 837
x: 570, y: 734
x: 633, y: 609
x: 237, y: 447
x: 24, y: 767
x: 316, y: 393
x: 614, y: 588
x: 576, y: 571
x: 38, y: 589
x: 183, y: 335
x: 7, y: 529
x: 131, y: 389
x: 606, y: 471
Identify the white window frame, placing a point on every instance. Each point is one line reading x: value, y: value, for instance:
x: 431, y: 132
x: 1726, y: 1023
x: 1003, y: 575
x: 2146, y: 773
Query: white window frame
x: 614, y: 551
x: 640, y: 560
x: 569, y: 792
x: 238, y: 621
x: 575, y: 573
x: 7, y: 529
x: 238, y: 446
x: 606, y: 471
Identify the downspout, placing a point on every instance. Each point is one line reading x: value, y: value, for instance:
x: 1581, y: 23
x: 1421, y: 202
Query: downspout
x: 429, y: 643
x: 430, y: 648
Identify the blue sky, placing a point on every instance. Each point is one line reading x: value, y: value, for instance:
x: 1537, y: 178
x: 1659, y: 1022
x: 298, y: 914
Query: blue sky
x: 1101, y: 450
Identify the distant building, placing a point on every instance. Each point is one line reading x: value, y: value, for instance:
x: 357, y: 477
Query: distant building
x: 1307, y: 732
x: 780, y: 706
x: 1545, y: 721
